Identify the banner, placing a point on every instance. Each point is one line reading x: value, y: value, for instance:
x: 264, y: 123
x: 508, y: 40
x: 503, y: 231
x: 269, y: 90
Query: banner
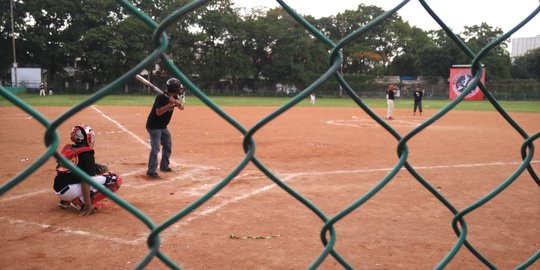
x: 460, y: 78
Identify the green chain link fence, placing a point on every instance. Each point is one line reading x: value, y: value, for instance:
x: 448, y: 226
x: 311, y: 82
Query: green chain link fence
x: 327, y: 233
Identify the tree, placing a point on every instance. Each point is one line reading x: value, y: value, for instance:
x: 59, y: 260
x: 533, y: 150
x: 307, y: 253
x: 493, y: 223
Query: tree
x: 497, y: 61
x: 282, y: 50
x: 215, y: 45
x: 412, y: 42
x: 6, y: 57
x: 404, y: 65
x: 218, y: 47
x: 527, y: 66
x: 257, y: 41
x: 435, y: 61
x: 376, y: 47
x: 46, y: 35
x: 437, y: 56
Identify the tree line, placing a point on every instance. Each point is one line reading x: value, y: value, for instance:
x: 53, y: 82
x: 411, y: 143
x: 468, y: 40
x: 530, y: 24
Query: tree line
x: 219, y: 44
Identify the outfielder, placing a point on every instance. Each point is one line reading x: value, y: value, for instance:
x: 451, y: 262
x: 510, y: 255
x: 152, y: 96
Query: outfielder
x: 390, y: 96
x: 312, y: 98
x: 69, y: 187
x: 418, y: 94
x: 156, y: 125
x: 42, y: 89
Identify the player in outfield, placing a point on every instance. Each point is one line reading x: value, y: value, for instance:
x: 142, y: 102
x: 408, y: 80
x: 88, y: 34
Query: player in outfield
x: 390, y: 96
x: 418, y: 94
x: 69, y: 187
x: 156, y: 125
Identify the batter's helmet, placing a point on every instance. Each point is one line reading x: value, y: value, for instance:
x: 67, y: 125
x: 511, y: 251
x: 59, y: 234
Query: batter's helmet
x: 82, y: 134
x: 174, y: 86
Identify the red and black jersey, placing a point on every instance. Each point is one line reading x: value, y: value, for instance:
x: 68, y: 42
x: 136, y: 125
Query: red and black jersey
x: 391, y: 94
x: 82, y: 157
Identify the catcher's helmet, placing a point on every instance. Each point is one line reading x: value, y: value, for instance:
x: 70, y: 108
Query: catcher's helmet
x: 83, y: 134
x: 174, y: 86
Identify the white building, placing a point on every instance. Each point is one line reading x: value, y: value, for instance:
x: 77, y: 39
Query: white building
x: 520, y: 46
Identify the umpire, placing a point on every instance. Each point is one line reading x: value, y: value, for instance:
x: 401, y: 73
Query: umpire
x: 156, y: 126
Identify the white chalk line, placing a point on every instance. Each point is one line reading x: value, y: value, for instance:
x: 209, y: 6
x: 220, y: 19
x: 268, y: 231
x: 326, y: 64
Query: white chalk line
x: 120, y: 126
x: 286, y: 177
x: 250, y: 176
x: 210, y: 210
x: 366, y: 122
x: 134, y: 172
x: 22, y: 196
x: 69, y: 230
x: 136, y: 137
x: 17, y: 116
x: 109, y: 132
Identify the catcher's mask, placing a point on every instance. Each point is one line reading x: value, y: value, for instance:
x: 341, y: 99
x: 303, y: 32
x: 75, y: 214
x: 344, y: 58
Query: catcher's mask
x: 174, y: 86
x: 83, y: 134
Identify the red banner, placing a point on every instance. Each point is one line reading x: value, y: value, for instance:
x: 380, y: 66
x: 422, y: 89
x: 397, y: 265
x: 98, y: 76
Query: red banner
x: 460, y: 78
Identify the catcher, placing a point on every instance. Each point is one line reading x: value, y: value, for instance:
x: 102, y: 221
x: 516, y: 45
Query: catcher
x: 69, y: 187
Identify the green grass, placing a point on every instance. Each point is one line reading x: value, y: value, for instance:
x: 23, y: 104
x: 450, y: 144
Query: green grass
x: 146, y: 100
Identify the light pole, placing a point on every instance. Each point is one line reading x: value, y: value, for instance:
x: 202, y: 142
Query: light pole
x: 341, y: 31
x: 13, y: 41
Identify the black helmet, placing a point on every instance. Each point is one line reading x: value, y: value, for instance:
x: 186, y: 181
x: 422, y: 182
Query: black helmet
x: 174, y: 86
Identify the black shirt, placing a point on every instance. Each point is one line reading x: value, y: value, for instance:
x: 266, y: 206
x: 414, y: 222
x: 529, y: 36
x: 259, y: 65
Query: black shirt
x: 86, y: 162
x: 391, y: 94
x: 159, y: 122
x: 418, y: 95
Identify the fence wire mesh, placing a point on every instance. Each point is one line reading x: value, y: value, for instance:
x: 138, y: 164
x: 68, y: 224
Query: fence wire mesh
x: 327, y: 233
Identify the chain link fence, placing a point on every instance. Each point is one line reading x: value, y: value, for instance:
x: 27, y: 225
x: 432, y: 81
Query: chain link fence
x: 327, y: 233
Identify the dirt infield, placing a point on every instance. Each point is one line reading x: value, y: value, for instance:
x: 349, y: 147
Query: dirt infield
x: 331, y: 156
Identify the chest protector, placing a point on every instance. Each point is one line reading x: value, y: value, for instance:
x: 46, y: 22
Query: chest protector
x: 71, y: 152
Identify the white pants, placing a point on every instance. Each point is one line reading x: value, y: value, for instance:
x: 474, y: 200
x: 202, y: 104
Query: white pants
x: 42, y: 92
x: 390, y: 110
x: 312, y: 100
x: 75, y: 190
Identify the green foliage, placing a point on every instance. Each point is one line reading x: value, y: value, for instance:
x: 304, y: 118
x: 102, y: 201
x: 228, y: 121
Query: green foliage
x: 435, y: 61
x: 220, y: 48
x: 515, y: 89
x: 527, y: 66
x: 497, y: 62
x: 404, y: 65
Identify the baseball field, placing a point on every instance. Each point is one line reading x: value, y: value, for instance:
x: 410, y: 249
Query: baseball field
x: 331, y: 156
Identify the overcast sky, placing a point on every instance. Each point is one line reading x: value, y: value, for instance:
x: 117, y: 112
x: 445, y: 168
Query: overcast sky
x: 504, y: 14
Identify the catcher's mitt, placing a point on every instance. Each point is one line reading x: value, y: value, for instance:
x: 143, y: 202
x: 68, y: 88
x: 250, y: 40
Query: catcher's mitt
x: 101, y: 169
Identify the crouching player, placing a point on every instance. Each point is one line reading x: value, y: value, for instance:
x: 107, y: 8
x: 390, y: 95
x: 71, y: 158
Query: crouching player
x: 69, y: 187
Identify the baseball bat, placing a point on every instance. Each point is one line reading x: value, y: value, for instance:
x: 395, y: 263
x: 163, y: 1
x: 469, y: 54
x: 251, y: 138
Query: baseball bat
x: 149, y: 84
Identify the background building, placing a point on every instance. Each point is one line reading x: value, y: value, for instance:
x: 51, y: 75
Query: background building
x: 520, y: 46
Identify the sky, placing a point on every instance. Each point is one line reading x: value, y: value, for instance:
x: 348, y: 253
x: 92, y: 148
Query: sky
x: 456, y: 14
